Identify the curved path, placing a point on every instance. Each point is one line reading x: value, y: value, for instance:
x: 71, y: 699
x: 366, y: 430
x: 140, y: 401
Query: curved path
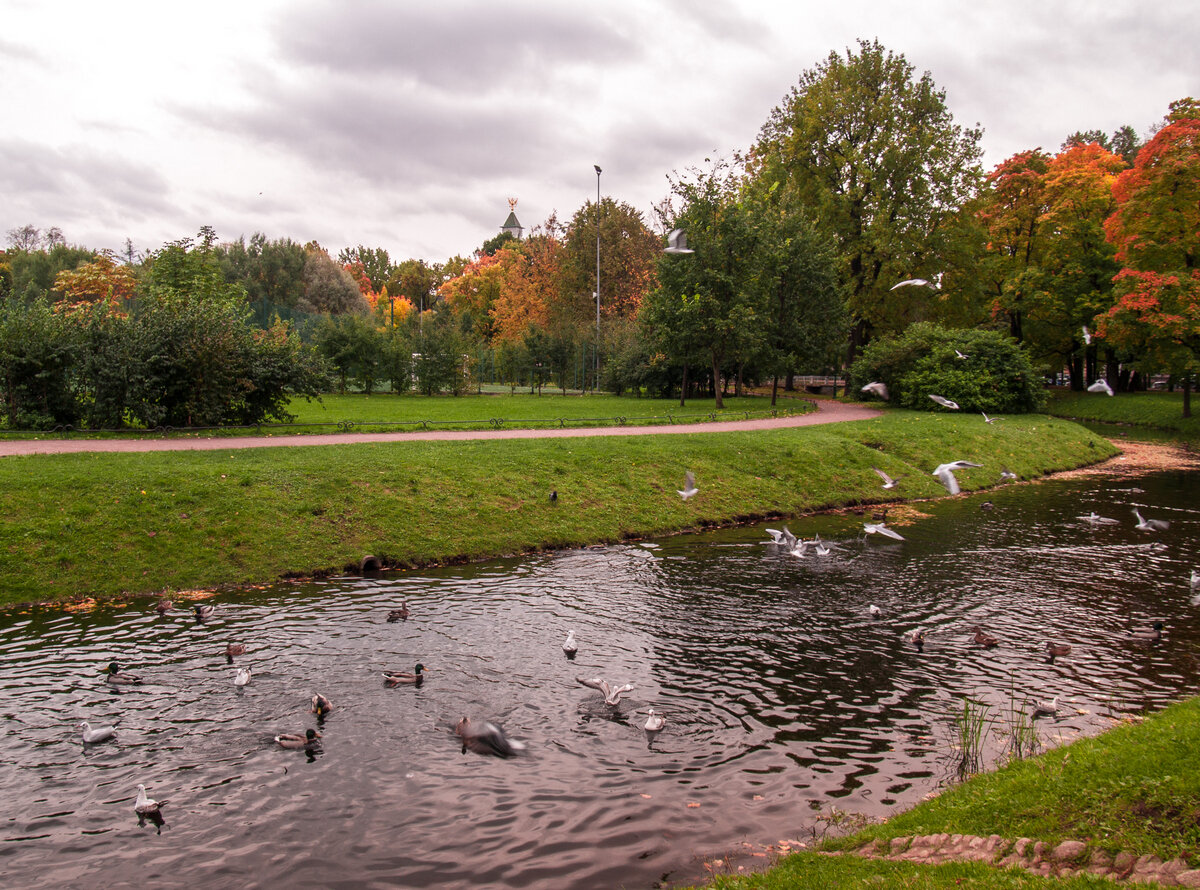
x: 827, y: 412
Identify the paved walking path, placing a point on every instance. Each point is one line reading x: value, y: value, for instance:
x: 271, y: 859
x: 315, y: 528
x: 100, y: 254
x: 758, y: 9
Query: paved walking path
x: 827, y: 412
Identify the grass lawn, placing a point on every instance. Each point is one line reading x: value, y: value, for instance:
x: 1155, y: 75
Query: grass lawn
x: 104, y: 525
x: 1161, y: 410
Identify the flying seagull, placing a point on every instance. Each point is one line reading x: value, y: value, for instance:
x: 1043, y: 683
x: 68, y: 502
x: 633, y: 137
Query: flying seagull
x: 888, y: 482
x: 877, y: 389
x: 914, y: 282
x: 1006, y: 474
x: 1150, y: 525
x: 945, y: 474
x: 1101, y: 385
x: 945, y: 403
x: 987, y: 419
x: 878, y: 528
x: 960, y: 354
x: 612, y: 695
x: 677, y: 242
x: 1087, y: 336
x: 689, y: 486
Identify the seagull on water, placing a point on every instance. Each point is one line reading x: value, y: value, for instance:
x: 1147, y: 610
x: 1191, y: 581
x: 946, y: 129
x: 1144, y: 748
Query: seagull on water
x: 783, y: 537
x: 144, y: 805
x: 878, y: 528
x: 945, y: 403
x: 677, y: 242
x: 654, y: 722
x: 1195, y: 577
x: 1046, y: 708
x: 242, y: 677
x: 874, y: 610
x: 888, y: 482
x: 689, y: 486
x: 1150, y: 525
x: 1097, y: 519
x: 820, y: 547
x: 1101, y: 385
x: 94, y: 736
x: 612, y: 694
x: 945, y: 474
x: 877, y: 389
x: 569, y: 646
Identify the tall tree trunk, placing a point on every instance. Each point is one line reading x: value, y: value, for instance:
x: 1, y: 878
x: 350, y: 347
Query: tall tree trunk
x: 717, y: 384
x: 737, y: 387
x: 683, y: 386
x: 1187, y: 395
x: 774, y: 389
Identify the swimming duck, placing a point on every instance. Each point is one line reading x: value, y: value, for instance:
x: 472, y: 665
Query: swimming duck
x: 400, y: 614
x: 320, y: 705
x: 116, y: 678
x: 162, y: 607
x: 1149, y: 636
x: 203, y: 610
x: 234, y: 649
x: 486, y: 738
x: 292, y: 740
x: 987, y: 641
x: 655, y: 722
x: 1054, y: 650
x: 144, y: 805
x: 98, y: 734
x: 400, y: 678
x: 918, y: 639
x: 569, y: 645
x: 612, y: 695
x: 242, y: 677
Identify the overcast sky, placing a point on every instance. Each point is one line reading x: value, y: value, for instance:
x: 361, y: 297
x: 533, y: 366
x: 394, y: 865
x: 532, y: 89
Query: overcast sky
x: 407, y: 125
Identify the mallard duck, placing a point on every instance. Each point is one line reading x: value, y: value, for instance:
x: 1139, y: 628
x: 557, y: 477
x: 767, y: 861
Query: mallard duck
x: 400, y: 614
x: 242, y: 677
x: 918, y: 639
x: 144, y: 805
x: 116, y: 678
x: 94, y: 736
x: 987, y: 641
x: 162, y: 607
x: 654, y: 722
x: 320, y: 705
x: 400, y: 678
x: 292, y: 740
x: 203, y: 610
x: 1149, y: 636
x: 569, y: 645
x: 874, y: 611
x: 234, y: 649
x: 486, y: 738
x: 1054, y: 650
x: 612, y: 695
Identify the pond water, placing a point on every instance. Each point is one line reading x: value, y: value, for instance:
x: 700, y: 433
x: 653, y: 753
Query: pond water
x: 783, y: 698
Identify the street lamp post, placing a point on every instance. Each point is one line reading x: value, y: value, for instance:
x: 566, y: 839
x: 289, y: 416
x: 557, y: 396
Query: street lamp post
x: 596, y: 377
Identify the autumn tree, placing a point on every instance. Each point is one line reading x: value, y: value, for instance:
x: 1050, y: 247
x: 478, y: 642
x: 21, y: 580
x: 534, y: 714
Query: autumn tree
x: 100, y: 280
x: 1156, y: 232
x: 875, y: 154
x: 628, y: 258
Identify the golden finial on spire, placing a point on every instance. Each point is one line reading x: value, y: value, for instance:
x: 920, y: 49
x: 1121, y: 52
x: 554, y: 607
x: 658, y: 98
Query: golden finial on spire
x: 512, y: 203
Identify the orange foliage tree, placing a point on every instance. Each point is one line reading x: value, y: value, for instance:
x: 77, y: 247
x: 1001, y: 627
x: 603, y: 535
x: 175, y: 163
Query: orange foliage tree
x: 1156, y: 232
x: 102, y: 279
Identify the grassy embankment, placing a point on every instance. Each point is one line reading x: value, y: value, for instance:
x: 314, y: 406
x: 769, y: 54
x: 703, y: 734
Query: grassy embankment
x: 1133, y: 788
x: 104, y: 525
x: 1155, y: 410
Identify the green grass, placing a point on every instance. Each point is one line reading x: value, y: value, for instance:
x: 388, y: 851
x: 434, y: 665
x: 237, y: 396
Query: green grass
x: 1159, y: 410
x: 105, y: 524
x: 1133, y: 788
x: 814, y: 871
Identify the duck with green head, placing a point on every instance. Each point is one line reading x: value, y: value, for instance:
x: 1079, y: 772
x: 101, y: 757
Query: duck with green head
x: 401, y: 678
x: 117, y: 678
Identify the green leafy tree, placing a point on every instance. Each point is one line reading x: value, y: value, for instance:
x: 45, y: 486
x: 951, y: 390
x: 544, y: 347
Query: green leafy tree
x: 269, y: 271
x: 875, y: 154
x: 38, y: 352
x: 328, y: 287
x: 629, y: 254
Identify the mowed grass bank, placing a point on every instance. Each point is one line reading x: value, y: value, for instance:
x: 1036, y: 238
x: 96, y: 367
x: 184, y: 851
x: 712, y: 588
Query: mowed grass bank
x: 1158, y: 410
x: 1132, y: 788
x: 104, y: 525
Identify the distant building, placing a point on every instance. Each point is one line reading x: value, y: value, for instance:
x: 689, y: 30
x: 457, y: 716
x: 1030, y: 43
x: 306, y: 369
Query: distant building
x: 512, y: 225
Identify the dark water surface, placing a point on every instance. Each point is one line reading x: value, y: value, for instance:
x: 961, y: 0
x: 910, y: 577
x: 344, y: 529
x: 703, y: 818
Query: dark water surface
x: 783, y: 697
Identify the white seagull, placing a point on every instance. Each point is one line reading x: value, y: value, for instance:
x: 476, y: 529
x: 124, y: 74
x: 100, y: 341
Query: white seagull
x: 144, y: 805
x: 945, y: 474
x: 612, y: 695
x: 1101, y: 385
x: 878, y: 528
x: 1195, y: 577
x: 654, y: 722
x: 960, y: 354
x: 689, y: 486
x: 1006, y: 473
x: 1046, y: 708
x: 820, y: 547
x: 987, y: 419
x: 877, y: 389
x: 1097, y: 519
x: 677, y: 242
x: 875, y: 610
x: 569, y: 645
x: 99, y: 734
x: 888, y: 482
x: 914, y: 282
x: 1087, y: 336
x: 1150, y: 525
x: 945, y: 403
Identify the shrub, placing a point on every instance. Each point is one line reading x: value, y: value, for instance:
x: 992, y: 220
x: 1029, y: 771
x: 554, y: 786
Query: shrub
x: 994, y: 374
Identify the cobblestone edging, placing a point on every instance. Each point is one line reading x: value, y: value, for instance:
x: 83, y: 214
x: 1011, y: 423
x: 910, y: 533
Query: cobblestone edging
x: 1038, y: 857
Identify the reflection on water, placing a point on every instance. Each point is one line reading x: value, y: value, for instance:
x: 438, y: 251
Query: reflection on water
x: 782, y: 694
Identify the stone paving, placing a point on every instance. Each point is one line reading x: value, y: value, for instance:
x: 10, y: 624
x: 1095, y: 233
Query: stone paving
x: 1067, y: 858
